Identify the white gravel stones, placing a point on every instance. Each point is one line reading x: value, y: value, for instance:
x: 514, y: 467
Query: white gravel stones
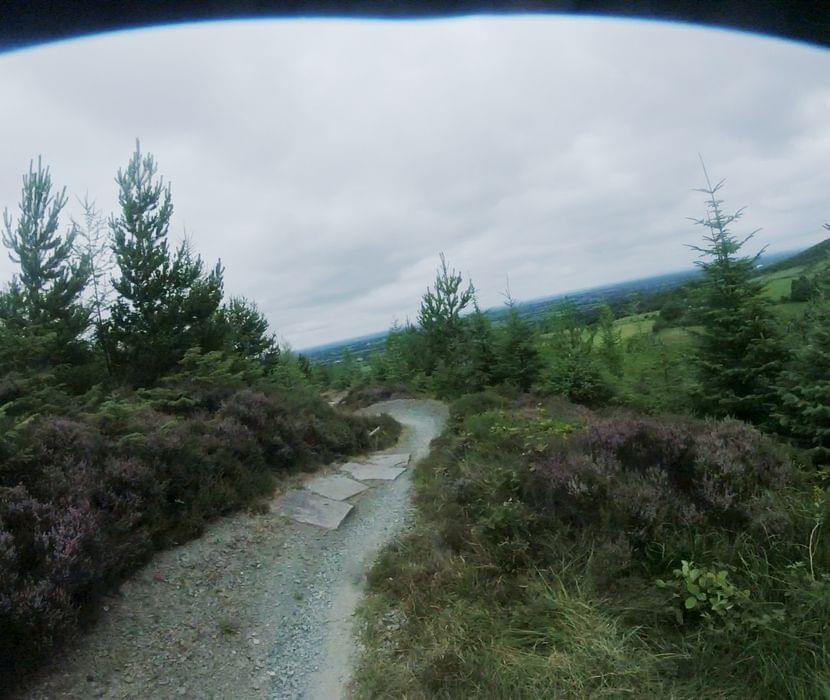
x: 335, y: 486
x: 306, y: 507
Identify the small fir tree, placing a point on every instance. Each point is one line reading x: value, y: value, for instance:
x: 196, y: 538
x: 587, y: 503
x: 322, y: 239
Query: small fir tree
x: 440, y: 319
x: 246, y: 331
x: 739, y: 354
x: 804, y: 413
x: 572, y: 370
x: 478, y: 352
x: 610, y: 347
x: 805, y: 394
x: 518, y: 361
x: 92, y: 242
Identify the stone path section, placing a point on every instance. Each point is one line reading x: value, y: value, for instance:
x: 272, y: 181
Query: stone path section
x: 321, y: 501
x: 335, y: 486
x: 371, y: 472
x: 306, y: 507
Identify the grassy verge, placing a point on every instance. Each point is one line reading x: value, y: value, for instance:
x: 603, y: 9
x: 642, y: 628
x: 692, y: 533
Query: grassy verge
x: 542, y: 534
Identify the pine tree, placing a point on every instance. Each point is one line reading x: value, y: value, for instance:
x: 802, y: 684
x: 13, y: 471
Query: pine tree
x: 167, y: 302
x: 440, y: 320
x: 518, y: 361
x: 572, y: 370
x: 805, y: 394
x: 246, y: 331
x: 44, y: 298
x: 401, y: 357
x: 739, y: 354
x: 610, y: 341
x: 478, y: 352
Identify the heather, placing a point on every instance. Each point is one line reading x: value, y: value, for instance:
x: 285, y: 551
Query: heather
x: 86, y: 499
x: 562, y: 552
x: 137, y: 404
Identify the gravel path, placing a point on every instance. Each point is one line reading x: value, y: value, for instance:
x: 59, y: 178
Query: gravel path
x: 258, y: 607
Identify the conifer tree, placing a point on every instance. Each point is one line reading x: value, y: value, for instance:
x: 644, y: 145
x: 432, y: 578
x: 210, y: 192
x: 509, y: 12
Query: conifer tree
x: 167, y: 302
x: 572, y: 370
x: 92, y: 242
x: 805, y: 394
x: 739, y: 354
x: 246, y: 331
x: 804, y: 414
x: 478, y: 353
x: 44, y: 298
x: 401, y: 357
x: 610, y: 341
x: 439, y: 317
x: 518, y: 361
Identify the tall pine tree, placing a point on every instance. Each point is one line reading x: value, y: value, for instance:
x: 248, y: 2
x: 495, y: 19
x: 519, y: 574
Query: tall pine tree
x: 167, y: 302
x: 739, y: 353
x: 44, y: 298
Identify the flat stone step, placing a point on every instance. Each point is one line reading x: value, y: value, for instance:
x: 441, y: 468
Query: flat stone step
x: 306, y: 507
x: 335, y: 486
x: 368, y: 472
x: 400, y: 459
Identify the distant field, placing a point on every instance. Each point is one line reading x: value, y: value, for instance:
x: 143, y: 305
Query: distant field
x: 776, y: 286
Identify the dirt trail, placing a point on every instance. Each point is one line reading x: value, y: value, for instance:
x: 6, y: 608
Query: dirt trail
x: 258, y: 607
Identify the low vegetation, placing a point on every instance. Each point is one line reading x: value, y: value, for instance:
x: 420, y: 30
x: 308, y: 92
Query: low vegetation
x: 565, y: 553
x: 642, y: 510
x: 133, y: 414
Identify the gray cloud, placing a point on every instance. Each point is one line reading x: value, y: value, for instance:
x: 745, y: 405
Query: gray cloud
x: 328, y: 162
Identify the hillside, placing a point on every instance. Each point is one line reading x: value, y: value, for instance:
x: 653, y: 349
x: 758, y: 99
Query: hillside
x: 814, y: 255
x: 648, y: 294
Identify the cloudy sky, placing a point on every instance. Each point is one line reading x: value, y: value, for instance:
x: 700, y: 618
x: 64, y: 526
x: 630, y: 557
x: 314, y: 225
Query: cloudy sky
x: 328, y: 162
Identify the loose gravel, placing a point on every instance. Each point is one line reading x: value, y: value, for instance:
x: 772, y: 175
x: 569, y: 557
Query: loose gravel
x: 258, y: 607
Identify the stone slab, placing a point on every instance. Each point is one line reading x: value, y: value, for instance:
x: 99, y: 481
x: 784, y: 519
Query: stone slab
x: 365, y: 472
x: 306, y: 507
x: 389, y: 460
x: 335, y: 486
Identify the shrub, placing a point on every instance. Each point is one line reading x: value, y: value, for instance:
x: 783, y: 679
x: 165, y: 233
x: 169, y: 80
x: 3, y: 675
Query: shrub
x: 87, y: 499
x: 651, y: 478
x: 51, y: 565
x: 471, y: 404
x: 577, y: 377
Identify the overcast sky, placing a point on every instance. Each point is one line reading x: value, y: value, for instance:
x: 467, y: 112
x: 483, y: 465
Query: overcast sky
x: 328, y: 162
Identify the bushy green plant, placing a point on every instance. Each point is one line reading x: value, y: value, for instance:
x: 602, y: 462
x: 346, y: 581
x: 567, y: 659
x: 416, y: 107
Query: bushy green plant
x: 705, y: 593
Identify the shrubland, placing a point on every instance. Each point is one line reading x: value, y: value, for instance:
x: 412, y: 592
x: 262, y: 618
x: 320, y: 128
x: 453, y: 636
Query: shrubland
x: 561, y: 552
x: 131, y: 413
x: 642, y: 512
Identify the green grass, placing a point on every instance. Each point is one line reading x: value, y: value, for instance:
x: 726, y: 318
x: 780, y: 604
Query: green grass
x: 481, y: 599
x: 777, y: 284
x: 444, y: 623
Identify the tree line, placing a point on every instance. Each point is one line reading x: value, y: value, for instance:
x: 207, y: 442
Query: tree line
x: 111, y: 301
x: 742, y: 364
